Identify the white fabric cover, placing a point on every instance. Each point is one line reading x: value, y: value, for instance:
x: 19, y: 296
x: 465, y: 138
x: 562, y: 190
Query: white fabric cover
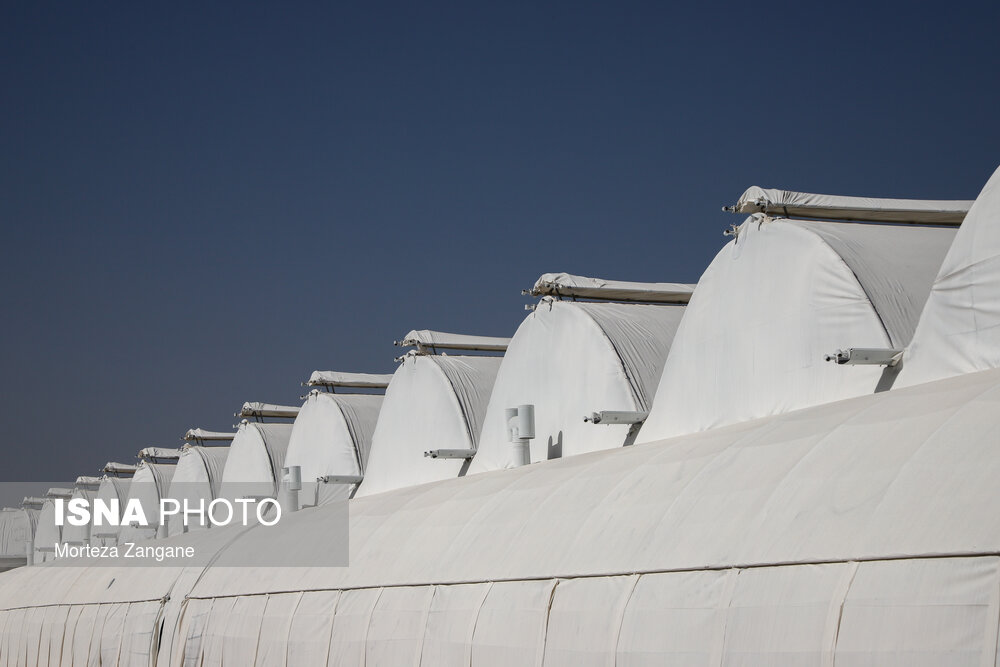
x: 396, y: 627
x: 332, y: 436
x: 257, y: 409
x: 836, y: 207
x: 433, y: 402
x: 47, y: 533
x: 838, y: 482
x: 202, y: 434
x: 79, y: 535
x: 585, y: 618
x: 774, y: 301
x: 87, y: 482
x: 959, y: 330
x: 122, y: 469
x: 921, y: 613
x: 451, y: 623
x: 859, y: 532
x: 159, y: 453
x: 255, y: 459
x: 566, y: 284
x: 197, y: 477
x: 112, y: 488
x: 148, y: 485
x: 452, y: 341
x: 341, y: 379
x: 15, y: 531
x: 570, y: 359
x: 511, y: 626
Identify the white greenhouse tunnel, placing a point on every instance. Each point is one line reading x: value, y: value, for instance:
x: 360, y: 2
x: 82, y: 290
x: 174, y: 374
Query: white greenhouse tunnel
x: 570, y: 359
x: 809, y: 533
x: 47, y: 533
x: 17, y: 529
x: 434, y: 402
x: 332, y: 436
x: 148, y: 486
x: 253, y: 466
x: 86, y: 489
x: 959, y: 329
x: 111, y: 489
x: 775, y: 301
x: 197, y: 480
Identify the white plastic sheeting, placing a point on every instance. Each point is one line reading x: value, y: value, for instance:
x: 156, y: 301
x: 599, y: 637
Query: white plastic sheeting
x: 959, y: 330
x: 16, y: 534
x: 425, y: 338
x: 119, y: 469
x: 200, y: 434
x: 332, y: 436
x: 433, y: 402
x: 854, y: 533
x: 87, y: 482
x: 836, y: 207
x: 111, y: 489
x: 255, y: 459
x: 570, y: 359
x: 774, y: 301
x: 341, y: 379
x: 565, y: 284
x: 253, y: 409
x: 47, y: 533
x: 80, y: 535
x: 148, y: 486
x: 197, y: 477
x: 159, y: 453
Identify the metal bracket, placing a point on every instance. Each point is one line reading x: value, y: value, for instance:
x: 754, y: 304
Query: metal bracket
x: 866, y: 356
x: 450, y: 453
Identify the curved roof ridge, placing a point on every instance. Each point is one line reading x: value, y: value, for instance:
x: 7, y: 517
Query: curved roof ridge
x: 638, y: 333
x: 894, y: 265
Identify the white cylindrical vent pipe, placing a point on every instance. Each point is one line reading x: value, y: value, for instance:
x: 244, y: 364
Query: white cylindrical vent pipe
x: 291, y: 484
x: 520, y: 431
x: 522, y: 453
x: 526, y: 422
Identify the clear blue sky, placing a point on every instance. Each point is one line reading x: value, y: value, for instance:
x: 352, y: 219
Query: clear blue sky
x: 200, y: 205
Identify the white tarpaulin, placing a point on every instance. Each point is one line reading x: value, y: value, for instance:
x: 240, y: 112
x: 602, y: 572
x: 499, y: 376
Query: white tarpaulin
x: 199, y: 434
x: 119, y: 469
x: 16, y: 535
x: 47, y: 533
x: 253, y: 467
x: 568, y: 285
x: 80, y: 535
x: 148, y: 486
x: 433, y: 402
x: 164, y: 453
x: 87, y: 482
x: 570, y: 359
x: 856, y: 532
x: 425, y: 338
x: 111, y: 489
x: 332, y: 436
x: 775, y: 301
x: 253, y: 409
x: 959, y: 330
x: 835, y: 207
x: 341, y: 379
x: 197, y: 478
